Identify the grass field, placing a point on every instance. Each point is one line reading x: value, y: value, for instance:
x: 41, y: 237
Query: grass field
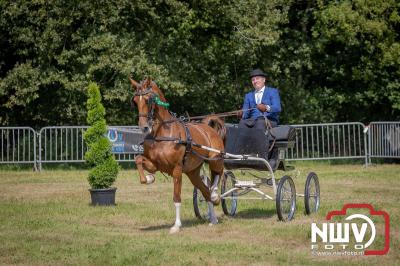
x: 46, y: 219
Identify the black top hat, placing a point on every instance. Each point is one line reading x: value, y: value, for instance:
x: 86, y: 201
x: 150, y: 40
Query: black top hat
x: 257, y: 72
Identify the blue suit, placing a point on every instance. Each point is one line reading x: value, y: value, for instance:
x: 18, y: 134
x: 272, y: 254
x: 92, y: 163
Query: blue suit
x: 270, y: 97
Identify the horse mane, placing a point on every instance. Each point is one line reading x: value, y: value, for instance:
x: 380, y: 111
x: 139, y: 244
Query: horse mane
x: 149, y: 82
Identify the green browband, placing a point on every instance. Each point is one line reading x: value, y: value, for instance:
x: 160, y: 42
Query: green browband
x: 161, y: 103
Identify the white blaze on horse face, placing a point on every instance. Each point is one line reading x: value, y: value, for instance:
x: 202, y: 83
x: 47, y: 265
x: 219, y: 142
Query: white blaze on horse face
x: 140, y: 98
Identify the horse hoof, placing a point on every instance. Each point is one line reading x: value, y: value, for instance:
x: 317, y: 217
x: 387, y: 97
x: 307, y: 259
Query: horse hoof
x: 150, y: 179
x: 216, y: 202
x: 213, y: 222
x: 215, y: 199
x: 174, y: 230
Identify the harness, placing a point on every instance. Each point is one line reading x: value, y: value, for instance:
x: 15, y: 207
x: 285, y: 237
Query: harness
x: 155, y: 100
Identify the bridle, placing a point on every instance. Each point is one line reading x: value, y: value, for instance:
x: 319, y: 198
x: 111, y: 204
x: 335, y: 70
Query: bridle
x: 153, y: 100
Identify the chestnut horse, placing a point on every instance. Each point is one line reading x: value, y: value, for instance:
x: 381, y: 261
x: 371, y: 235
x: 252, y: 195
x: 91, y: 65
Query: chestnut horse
x: 173, y: 147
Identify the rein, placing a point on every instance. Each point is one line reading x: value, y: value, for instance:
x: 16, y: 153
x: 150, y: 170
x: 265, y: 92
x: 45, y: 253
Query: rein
x: 156, y: 99
x: 226, y: 114
x: 195, y: 118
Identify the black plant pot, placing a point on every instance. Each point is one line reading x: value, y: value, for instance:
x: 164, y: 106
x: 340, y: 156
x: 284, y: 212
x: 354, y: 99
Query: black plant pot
x: 103, y: 196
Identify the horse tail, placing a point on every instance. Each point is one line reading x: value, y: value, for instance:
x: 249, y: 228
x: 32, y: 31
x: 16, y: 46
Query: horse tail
x: 217, y: 124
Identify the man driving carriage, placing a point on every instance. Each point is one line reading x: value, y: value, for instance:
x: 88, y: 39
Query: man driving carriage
x: 261, y: 107
x: 263, y: 102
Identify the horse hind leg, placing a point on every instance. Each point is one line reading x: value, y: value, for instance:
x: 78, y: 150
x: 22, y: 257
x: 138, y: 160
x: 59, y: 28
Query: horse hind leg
x: 215, y: 199
x: 211, y: 213
x: 216, y: 169
x: 197, y: 182
x: 195, y: 178
x: 214, y: 196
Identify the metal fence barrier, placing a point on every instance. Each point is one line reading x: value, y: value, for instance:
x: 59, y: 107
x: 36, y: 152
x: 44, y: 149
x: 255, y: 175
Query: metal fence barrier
x: 329, y: 141
x: 313, y: 142
x: 65, y: 144
x: 18, y: 145
x: 384, y: 140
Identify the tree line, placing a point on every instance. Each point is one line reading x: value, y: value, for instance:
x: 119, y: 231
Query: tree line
x: 331, y: 60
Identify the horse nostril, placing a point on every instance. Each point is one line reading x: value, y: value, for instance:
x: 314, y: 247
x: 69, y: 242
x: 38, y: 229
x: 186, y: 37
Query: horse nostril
x: 146, y: 130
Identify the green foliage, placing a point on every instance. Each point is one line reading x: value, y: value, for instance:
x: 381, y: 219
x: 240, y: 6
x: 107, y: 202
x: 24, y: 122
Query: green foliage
x: 358, y: 46
x: 331, y: 60
x: 104, y: 174
x: 104, y: 166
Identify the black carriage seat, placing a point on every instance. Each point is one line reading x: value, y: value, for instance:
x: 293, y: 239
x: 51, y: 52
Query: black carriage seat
x: 284, y: 136
x: 284, y: 133
x: 256, y: 142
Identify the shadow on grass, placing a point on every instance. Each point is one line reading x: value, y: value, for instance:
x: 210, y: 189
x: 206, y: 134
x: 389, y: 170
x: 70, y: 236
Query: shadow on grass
x: 255, y: 213
x: 185, y: 223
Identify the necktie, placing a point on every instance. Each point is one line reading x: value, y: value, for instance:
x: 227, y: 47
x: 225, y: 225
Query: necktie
x: 258, y: 97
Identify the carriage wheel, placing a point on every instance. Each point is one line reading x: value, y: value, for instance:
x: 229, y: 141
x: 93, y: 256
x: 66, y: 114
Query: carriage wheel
x: 229, y: 203
x: 200, y: 205
x: 286, y: 199
x: 311, y: 193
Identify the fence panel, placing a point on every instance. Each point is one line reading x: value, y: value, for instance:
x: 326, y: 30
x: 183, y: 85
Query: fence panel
x: 384, y: 139
x: 18, y: 145
x: 65, y: 144
x: 313, y: 142
x: 329, y: 141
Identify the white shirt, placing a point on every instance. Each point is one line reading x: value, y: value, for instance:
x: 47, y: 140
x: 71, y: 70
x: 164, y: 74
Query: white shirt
x: 258, y: 94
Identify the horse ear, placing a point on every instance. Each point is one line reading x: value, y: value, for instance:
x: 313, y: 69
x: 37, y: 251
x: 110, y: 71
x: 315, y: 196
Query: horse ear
x: 134, y: 83
x: 148, y: 80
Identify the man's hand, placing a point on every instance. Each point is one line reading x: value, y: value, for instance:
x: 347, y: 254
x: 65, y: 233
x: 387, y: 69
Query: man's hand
x: 263, y: 108
x: 239, y: 114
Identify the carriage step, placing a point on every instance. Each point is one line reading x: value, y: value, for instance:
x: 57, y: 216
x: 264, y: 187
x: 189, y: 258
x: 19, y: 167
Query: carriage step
x: 244, y: 184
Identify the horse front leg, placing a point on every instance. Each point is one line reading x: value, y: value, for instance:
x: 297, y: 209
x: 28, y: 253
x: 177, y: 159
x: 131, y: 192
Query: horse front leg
x: 177, y: 177
x: 142, y: 164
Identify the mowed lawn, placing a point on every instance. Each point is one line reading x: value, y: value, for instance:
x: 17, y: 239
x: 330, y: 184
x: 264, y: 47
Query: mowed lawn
x: 46, y: 219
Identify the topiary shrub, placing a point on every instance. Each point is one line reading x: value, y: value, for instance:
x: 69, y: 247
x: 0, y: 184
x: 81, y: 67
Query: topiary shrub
x: 104, y: 167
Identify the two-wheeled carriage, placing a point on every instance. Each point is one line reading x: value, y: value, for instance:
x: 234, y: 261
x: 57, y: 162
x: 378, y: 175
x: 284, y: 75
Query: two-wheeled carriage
x: 252, y: 158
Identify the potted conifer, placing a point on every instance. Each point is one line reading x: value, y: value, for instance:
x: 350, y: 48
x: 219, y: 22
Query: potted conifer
x: 104, y: 167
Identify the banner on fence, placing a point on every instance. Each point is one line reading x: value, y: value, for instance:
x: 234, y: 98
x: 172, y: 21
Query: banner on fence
x: 125, y: 141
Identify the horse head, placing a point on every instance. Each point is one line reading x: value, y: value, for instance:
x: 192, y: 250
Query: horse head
x: 147, y: 98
